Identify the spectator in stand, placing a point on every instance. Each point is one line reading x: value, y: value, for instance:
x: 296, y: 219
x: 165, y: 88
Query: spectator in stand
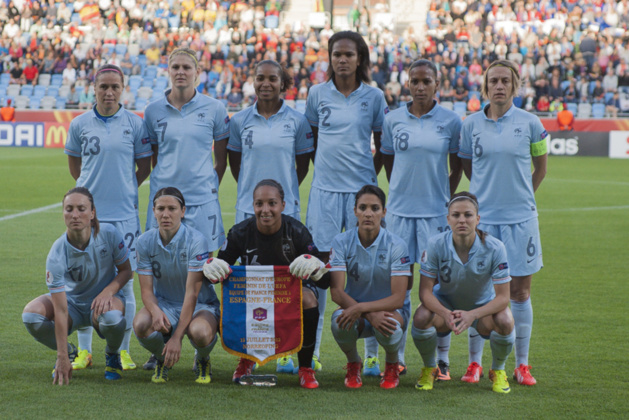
x: 17, y: 74
x: 127, y: 98
x: 460, y: 91
x: 610, y: 81
x: 543, y: 105
x: 571, y: 93
x: 555, y: 92
x: 72, y: 101
x: 69, y: 75
x: 86, y: 100
x: 446, y: 92
x: 234, y: 99
x: 598, y: 93
x: 612, y: 106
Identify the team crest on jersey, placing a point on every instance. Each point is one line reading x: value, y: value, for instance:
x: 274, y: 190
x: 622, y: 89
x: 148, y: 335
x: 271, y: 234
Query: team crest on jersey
x: 48, y: 277
x: 364, y: 106
x: 517, y: 132
x: 382, y: 258
x: 127, y: 132
x: 440, y: 128
x: 287, y: 128
x: 480, y: 265
x: 183, y: 256
x: 203, y: 256
x: 200, y: 116
x: 287, y: 249
x: 103, y: 252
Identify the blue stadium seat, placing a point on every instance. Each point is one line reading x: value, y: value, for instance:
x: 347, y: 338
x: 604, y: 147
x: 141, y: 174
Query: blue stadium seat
x: 61, y: 103
x: 473, y: 93
x: 460, y: 108
x: 150, y: 72
x: 53, y: 91
x: 271, y: 22
x: 35, y: 102
x: 121, y: 49
x: 148, y: 82
x: 565, y: 84
x: 572, y: 107
x: 140, y: 104
x: 5, y: 77
x: 598, y: 111
x: 39, y: 91
x: 135, y: 82
x: 75, y: 18
x: 56, y: 80
x: 609, y: 96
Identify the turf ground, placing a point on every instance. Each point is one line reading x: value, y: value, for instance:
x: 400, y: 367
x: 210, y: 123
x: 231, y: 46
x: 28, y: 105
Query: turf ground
x: 579, y: 350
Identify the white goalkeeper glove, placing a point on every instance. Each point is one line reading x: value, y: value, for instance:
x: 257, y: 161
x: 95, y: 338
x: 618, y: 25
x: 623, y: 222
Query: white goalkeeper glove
x: 306, y: 266
x: 216, y: 270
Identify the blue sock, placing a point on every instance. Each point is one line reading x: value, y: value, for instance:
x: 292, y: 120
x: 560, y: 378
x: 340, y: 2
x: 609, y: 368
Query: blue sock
x: 501, y: 346
x: 475, y: 344
x: 84, y: 335
x: 426, y: 343
x: 112, y: 325
x: 443, y: 348
x: 523, y: 317
x: 129, y: 313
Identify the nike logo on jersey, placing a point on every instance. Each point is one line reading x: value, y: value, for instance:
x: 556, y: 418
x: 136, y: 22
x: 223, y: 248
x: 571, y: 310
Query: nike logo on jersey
x: 249, y: 251
x: 159, y: 119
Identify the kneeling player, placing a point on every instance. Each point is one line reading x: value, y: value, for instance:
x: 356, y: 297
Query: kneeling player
x: 177, y: 300
x: 272, y: 238
x: 85, y: 271
x: 376, y: 264
x: 472, y: 291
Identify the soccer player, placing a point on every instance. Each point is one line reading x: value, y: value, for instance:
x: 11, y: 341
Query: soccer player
x: 343, y: 113
x: 269, y: 140
x: 104, y: 147
x: 184, y: 126
x: 498, y: 145
x: 472, y: 290
x: 418, y: 141
x: 85, y: 270
x: 370, y: 270
x: 177, y: 299
x: 272, y: 238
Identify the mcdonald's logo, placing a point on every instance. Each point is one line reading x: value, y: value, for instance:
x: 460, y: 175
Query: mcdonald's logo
x: 56, y: 136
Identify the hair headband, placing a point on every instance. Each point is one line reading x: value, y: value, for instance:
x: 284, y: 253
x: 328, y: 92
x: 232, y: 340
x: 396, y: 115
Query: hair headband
x: 463, y: 197
x: 168, y: 195
x: 109, y: 69
x: 187, y: 53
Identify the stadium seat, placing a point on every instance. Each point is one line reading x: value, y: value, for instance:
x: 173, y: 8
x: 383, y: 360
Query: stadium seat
x: 300, y: 105
x: 290, y: 103
x: 133, y: 50
x: 598, y: 111
x: 5, y: 77
x: 271, y: 22
x: 13, y: 90
x: 609, y: 96
x: 460, y: 108
x: 447, y: 105
x: 43, y: 79
x: 140, y: 104
x: 572, y: 107
x: 150, y: 72
x: 75, y: 18
x: 565, y: 84
x: 39, y: 91
x: 3, y: 90
x: 26, y: 90
x: 473, y: 93
x: 61, y: 103
x: 35, y: 102
x: 584, y: 110
x: 57, y: 80
x: 64, y: 91
x: 53, y: 91
x: 121, y: 49
x: 48, y: 102
x: 145, y: 92
x: 148, y: 82
x: 21, y: 102
x: 135, y: 82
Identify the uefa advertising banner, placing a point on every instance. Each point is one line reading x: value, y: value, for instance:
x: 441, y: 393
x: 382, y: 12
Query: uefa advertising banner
x: 27, y: 134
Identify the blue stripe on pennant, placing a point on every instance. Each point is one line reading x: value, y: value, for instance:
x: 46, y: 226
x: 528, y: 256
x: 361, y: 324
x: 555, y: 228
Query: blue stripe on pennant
x: 236, y: 313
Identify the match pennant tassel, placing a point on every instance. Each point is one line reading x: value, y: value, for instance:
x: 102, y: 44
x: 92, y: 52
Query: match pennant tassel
x: 261, y: 313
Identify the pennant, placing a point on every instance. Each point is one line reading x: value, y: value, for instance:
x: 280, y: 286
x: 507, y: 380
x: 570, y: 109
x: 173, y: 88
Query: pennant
x: 261, y: 313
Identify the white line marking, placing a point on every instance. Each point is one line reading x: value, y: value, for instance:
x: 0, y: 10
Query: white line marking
x: 589, y: 181
x: 585, y: 209
x: 33, y: 211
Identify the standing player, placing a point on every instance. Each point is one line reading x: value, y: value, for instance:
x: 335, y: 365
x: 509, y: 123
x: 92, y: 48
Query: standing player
x: 183, y: 127
x: 269, y: 140
x: 343, y: 113
x: 418, y: 141
x: 472, y: 291
x: 104, y: 146
x: 498, y: 145
x: 177, y: 299
x: 376, y: 264
x: 272, y: 238
x: 85, y: 270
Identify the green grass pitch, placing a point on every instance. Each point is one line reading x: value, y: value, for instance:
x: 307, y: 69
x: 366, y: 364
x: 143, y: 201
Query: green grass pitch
x: 579, y: 349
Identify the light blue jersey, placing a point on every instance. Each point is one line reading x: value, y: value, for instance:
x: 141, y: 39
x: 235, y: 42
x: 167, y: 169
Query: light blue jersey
x: 501, y: 153
x: 419, y: 185
x: 343, y: 161
x: 84, y: 274
x: 369, y: 271
x: 470, y: 285
x: 169, y: 265
x: 268, y: 149
x: 108, y: 151
x: 185, y: 139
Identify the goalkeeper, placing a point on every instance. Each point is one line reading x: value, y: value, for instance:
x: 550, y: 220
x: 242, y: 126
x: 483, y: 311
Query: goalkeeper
x: 271, y: 238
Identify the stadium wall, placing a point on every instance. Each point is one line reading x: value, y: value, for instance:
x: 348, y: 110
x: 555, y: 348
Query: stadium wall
x: 49, y: 129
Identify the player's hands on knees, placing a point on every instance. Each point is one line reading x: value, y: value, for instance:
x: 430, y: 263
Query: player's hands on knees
x: 102, y: 303
x: 464, y: 320
x: 382, y: 321
x: 308, y: 266
x: 161, y: 322
x: 349, y: 316
x: 63, y: 371
x: 171, y: 352
x: 216, y: 270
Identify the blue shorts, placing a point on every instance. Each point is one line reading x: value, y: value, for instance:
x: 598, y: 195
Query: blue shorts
x: 329, y: 213
x: 369, y: 330
x: 173, y: 311
x: 523, y: 245
x: 81, y: 313
x: 241, y: 215
x: 206, y: 218
x: 415, y: 231
x: 130, y: 230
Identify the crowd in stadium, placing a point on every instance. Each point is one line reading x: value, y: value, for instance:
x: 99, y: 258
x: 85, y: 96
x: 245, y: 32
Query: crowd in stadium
x: 569, y: 52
